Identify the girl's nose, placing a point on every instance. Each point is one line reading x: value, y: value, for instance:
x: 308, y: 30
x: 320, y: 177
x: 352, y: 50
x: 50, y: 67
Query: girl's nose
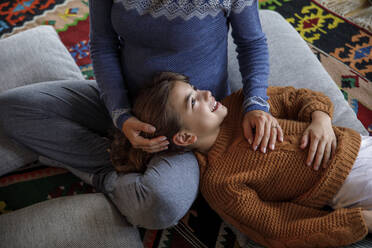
x: 207, y: 94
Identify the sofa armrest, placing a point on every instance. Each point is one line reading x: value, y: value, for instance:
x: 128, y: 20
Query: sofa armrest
x: 86, y: 220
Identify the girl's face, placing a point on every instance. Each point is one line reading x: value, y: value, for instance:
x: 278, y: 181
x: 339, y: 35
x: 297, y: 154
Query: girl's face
x: 200, y: 113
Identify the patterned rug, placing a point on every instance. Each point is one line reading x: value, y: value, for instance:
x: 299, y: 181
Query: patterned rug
x: 342, y: 47
x: 357, y: 11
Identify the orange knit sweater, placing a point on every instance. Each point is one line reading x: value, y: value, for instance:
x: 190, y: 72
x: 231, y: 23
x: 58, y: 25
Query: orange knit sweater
x: 274, y: 198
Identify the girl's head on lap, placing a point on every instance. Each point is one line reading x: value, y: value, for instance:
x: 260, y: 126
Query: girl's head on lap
x: 151, y: 106
x: 189, y: 118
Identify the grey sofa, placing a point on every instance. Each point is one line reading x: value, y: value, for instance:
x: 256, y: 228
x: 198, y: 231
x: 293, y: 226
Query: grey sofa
x: 90, y: 220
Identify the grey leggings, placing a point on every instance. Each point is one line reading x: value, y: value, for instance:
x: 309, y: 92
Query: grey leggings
x: 66, y: 121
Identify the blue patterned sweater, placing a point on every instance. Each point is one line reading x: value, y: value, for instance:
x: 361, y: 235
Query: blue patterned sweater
x: 132, y: 39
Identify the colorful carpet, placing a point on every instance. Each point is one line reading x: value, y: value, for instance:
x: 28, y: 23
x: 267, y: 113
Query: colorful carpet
x: 343, y: 48
x: 356, y: 11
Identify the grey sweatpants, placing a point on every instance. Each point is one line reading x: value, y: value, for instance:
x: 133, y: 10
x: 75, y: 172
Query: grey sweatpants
x: 66, y: 121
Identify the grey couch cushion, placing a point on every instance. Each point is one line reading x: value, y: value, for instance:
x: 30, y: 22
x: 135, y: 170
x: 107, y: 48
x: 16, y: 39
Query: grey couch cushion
x: 87, y: 220
x: 35, y: 55
x: 293, y: 63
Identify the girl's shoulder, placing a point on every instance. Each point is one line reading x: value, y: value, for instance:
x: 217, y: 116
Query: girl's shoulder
x: 234, y: 98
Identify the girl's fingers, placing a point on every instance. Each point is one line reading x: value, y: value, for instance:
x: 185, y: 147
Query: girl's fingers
x: 304, y: 140
x: 327, y: 155
x: 312, y: 151
x: 319, y: 155
x: 334, y: 146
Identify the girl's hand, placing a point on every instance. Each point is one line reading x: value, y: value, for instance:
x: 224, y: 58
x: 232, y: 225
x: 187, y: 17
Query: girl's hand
x: 322, y: 140
x: 267, y: 128
x: 367, y: 215
x: 132, y: 129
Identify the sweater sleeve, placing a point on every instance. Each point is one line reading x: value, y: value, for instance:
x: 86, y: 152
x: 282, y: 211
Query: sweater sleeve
x: 286, y: 224
x: 297, y: 104
x: 252, y: 52
x: 105, y: 55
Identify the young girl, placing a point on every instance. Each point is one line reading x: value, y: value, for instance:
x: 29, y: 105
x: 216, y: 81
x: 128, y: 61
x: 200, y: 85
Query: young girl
x: 273, y: 198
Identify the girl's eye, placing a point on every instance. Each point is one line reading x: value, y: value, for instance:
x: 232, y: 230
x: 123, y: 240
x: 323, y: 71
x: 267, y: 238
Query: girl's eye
x: 192, y: 102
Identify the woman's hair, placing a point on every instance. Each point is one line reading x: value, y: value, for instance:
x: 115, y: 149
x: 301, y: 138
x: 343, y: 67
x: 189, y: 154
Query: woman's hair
x: 151, y: 106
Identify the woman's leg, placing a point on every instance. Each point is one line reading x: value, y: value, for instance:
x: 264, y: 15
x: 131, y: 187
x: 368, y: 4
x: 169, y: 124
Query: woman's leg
x: 66, y: 121
x: 163, y: 194
x: 63, y: 120
x: 357, y: 188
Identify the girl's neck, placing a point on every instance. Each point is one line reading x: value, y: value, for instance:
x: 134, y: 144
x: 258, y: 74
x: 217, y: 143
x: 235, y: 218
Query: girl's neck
x: 204, y: 144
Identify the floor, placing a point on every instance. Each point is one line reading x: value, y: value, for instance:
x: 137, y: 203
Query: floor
x: 357, y: 11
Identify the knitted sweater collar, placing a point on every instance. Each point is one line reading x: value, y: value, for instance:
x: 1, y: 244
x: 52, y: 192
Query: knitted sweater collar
x: 185, y: 9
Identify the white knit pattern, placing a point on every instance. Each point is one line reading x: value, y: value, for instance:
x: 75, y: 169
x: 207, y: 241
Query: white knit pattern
x: 117, y: 113
x: 256, y: 100
x: 186, y: 9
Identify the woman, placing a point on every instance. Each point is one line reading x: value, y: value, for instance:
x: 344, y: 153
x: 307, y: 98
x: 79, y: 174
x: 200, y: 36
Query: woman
x: 132, y: 39
x: 129, y: 40
x: 273, y: 198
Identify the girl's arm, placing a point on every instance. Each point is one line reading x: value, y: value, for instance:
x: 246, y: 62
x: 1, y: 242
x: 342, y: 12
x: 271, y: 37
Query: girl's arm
x: 286, y: 224
x: 309, y: 106
x: 321, y: 140
x: 298, y: 104
x: 105, y: 54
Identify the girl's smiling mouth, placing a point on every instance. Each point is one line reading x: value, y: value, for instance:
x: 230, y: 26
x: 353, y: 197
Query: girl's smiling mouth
x: 216, y: 105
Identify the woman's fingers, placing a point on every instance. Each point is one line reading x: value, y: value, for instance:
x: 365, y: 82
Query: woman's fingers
x: 155, y: 149
x: 267, y: 130
x: 280, y: 133
x: 248, y: 131
x: 260, y: 131
x: 143, y: 143
x: 266, y: 136
x: 273, y: 137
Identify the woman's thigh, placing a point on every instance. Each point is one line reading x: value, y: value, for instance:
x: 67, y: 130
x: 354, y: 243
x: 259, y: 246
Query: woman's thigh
x: 66, y: 121
x: 357, y: 188
x: 161, y: 196
x: 62, y: 120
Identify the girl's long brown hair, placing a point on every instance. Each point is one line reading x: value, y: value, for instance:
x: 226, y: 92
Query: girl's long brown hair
x: 151, y: 106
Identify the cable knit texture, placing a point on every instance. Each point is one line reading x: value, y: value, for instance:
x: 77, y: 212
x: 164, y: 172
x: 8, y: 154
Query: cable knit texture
x: 274, y: 198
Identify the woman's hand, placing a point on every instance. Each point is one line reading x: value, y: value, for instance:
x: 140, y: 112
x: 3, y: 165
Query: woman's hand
x: 321, y: 138
x: 367, y: 215
x: 132, y: 129
x: 267, y: 131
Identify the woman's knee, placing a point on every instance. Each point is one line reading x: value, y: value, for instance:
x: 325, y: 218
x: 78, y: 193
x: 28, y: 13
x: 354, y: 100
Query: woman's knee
x: 16, y: 106
x: 7, y: 111
x: 163, y: 195
x: 175, y: 181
